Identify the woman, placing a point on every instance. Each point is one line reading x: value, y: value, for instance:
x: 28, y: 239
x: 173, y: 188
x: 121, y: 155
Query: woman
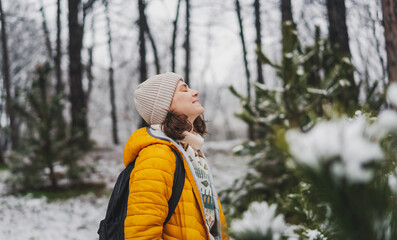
x: 173, y: 112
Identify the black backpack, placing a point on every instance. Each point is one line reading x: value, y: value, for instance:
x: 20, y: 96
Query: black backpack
x: 112, y: 227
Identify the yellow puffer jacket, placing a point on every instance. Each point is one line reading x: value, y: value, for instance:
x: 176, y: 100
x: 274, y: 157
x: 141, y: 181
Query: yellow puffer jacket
x: 150, y: 189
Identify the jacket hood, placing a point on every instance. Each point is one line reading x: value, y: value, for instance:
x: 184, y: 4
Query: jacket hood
x: 137, y: 141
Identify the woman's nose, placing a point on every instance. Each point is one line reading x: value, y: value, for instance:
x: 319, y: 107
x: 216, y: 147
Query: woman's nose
x: 195, y: 93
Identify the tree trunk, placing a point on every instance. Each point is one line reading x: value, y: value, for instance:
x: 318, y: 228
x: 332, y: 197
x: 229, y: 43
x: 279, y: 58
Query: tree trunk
x: 289, y: 41
x: 2, y: 148
x: 111, y: 80
x: 258, y: 41
x: 174, y: 36
x: 90, y: 64
x: 7, y: 81
x: 46, y: 33
x: 389, y: 9
x: 187, y: 44
x: 338, y: 35
x: 77, y: 95
x: 247, y: 72
x: 287, y: 19
x: 90, y: 77
x: 58, y: 72
x: 156, y: 57
x: 58, y: 55
x: 286, y: 11
x: 142, y: 47
x: 339, y: 40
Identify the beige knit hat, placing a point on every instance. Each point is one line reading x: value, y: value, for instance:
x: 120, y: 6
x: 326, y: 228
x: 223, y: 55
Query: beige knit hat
x: 153, y: 96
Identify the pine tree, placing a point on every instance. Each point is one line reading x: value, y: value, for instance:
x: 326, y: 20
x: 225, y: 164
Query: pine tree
x: 34, y: 163
x: 313, y: 89
x: 313, y: 81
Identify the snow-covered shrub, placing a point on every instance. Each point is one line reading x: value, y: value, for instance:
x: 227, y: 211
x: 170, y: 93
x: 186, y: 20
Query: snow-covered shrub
x: 310, y: 234
x: 347, y: 145
x: 260, y: 222
x: 345, y: 140
x: 350, y: 165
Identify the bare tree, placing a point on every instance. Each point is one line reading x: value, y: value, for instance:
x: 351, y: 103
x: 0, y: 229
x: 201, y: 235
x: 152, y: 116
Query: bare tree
x: 247, y: 72
x: 111, y: 77
x: 338, y: 35
x: 186, y: 45
x: 90, y: 76
x: 78, y: 97
x: 46, y: 33
x: 389, y: 9
x: 58, y: 70
x: 258, y: 41
x: 90, y: 64
x: 58, y: 55
x: 142, y: 46
x: 7, y: 80
x: 174, y: 36
x: 153, y: 43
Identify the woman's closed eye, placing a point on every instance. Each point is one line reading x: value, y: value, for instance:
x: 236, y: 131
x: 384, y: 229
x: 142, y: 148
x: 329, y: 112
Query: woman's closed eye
x: 184, y: 88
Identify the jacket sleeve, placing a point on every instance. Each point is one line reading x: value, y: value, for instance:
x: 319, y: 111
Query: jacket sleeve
x: 150, y: 189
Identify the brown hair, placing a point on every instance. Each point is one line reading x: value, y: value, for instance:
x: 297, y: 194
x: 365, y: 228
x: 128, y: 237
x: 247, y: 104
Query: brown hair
x: 175, y: 124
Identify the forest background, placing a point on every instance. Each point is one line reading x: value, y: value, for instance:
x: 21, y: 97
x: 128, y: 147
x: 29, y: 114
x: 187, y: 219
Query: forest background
x: 263, y: 68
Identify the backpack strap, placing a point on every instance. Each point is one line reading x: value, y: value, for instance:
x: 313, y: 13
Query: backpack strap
x: 177, y: 187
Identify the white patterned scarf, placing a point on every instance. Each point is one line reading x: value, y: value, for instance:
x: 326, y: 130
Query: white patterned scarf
x: 192, y: 144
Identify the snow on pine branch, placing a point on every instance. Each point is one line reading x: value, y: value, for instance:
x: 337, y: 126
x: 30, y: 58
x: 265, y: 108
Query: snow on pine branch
x: 343, y: 139
x: 354, y: 142
x: 260, y: 221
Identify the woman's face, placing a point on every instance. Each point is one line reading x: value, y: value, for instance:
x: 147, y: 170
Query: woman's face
x: 185, y: 101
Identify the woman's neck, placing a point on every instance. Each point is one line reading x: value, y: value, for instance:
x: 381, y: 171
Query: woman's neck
x: 192, y: 138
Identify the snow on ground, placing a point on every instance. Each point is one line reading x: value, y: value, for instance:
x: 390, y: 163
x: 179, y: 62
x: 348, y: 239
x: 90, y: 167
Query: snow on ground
x: 34, y: 218
x: 78, y: 218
